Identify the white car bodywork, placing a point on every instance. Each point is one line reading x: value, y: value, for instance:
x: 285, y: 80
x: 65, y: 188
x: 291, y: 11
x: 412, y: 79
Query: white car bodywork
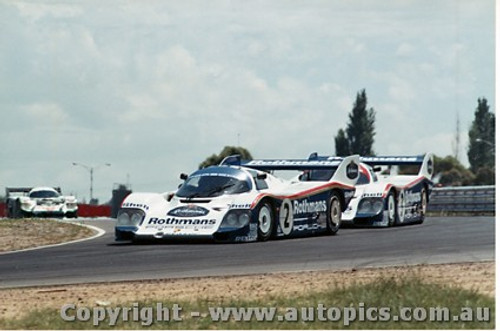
x: 40, y: 201
x: 266, y: 207
x: 390, y: 199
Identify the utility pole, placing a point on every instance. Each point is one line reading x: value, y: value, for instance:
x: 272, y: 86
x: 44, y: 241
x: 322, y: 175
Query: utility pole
x: 91, y: 169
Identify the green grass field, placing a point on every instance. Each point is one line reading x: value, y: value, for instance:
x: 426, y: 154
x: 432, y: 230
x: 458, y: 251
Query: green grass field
x: 394, y: 294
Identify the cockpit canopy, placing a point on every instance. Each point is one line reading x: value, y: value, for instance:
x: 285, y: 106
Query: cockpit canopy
x: 214, y: 182
x: 44, y: 193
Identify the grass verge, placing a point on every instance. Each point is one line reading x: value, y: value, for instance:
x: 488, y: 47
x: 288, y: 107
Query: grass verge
x: 16, y: 234
x: 341, y: 306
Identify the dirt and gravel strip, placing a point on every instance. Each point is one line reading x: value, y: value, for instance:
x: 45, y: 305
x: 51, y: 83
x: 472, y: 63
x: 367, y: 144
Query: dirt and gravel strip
x: 28, y: 233
x: 479, y: 277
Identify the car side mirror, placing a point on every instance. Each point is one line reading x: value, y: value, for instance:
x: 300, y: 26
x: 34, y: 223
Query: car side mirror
x: 377, y: 169
x: 184, y: 176
x: 261, y: 176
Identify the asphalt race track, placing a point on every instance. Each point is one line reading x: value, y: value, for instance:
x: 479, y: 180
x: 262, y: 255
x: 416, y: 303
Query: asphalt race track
x: 438, y: 240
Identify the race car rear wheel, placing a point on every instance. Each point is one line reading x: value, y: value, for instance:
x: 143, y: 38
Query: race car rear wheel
x: 334, y: 216
x: 423, y: 205
x: 15, y: 211
x: 265, y: 221
x: 400, y: 208
x: 391, y: 209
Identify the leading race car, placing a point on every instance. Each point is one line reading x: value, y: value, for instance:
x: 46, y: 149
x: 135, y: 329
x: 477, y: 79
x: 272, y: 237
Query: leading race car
x: 241, y: 201
x: 39, y: 201
x: 384, y: 197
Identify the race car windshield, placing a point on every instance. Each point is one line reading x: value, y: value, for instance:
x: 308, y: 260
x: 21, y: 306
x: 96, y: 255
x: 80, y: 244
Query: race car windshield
x: 44, y: 194
x: 211, y: 186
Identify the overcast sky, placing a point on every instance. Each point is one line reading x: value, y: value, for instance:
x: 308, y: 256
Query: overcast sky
x: 154, y: 87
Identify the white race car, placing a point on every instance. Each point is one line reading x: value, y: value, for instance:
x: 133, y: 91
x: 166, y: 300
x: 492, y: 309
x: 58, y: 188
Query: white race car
x: 39, y: 201
x: 241, y: 201
x: 384, y: 197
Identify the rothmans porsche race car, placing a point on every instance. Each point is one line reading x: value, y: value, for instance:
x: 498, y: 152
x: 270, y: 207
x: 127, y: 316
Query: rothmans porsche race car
x: 39, y: 201
x: 241, y: 201
x: 384, y: 197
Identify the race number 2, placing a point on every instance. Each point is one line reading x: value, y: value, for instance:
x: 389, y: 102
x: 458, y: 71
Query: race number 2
x: 286, y: 217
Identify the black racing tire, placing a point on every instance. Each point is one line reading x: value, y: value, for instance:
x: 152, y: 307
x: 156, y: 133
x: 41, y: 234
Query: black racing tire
x: 400, y: 208
x: 423, y: 205
x: 8, y: 208
x: 265, y: 221
x: 16, y: 209
x: 334, y: 214
x: 391, y: 209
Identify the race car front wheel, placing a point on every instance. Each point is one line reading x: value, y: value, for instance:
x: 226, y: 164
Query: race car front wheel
x: 265, y: 221
x: 400, y: 208
x: 334, y: 214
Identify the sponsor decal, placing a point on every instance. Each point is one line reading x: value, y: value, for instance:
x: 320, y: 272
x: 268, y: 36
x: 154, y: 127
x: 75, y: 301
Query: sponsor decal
x: 411, y: 198
x: 352, y: 170
x: 306, y: 207
x: 389, y: 159
x: 372, y: 195
x: 307, y: 227
x: 240, y: 206
x: 188, y: 211
x: 135, y: 205
x: 284, y: 163
x: 177, y: 221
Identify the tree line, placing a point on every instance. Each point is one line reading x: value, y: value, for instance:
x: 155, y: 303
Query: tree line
x: 359, y: 137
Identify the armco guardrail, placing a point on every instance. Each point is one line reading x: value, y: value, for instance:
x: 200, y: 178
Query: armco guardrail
x: 475, y: 199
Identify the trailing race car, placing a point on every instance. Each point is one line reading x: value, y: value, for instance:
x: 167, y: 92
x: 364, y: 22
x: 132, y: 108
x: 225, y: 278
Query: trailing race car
x: 386, y: 198
x: 39, y: 201
x: 242, y: 201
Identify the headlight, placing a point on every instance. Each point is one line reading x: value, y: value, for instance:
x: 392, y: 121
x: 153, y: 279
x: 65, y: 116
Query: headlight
x: 378, y: 205
x: 365, y: 206
x: 27, y: 203
x: 136, y: 218
x: 371, y: 206
x: 130, y: 217
x: 123, y: 218
x: 243, y: 219
x: 232, y: 220
x: 236, y: 219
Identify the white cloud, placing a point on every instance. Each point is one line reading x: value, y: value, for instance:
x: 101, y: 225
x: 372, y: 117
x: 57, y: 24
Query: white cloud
x: 45, y: 114
x: 405, y: 49
x: 36, y: 11
x: 155, y: 87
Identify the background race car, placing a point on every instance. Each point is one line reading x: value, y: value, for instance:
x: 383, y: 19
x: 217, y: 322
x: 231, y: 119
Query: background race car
x: 242, y: 201
x: 39, y: 201
x: 391, y: 190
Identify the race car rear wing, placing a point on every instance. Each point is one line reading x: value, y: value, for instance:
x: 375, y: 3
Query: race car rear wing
x: 22, y: 191
x: 424, y: 162
x: 346, y: 169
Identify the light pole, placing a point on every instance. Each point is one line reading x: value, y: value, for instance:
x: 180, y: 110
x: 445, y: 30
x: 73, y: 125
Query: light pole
x: 91, y: 171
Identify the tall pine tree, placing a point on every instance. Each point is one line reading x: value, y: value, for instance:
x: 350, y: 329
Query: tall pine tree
x: 358, y: 138
x: 481, y: 151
